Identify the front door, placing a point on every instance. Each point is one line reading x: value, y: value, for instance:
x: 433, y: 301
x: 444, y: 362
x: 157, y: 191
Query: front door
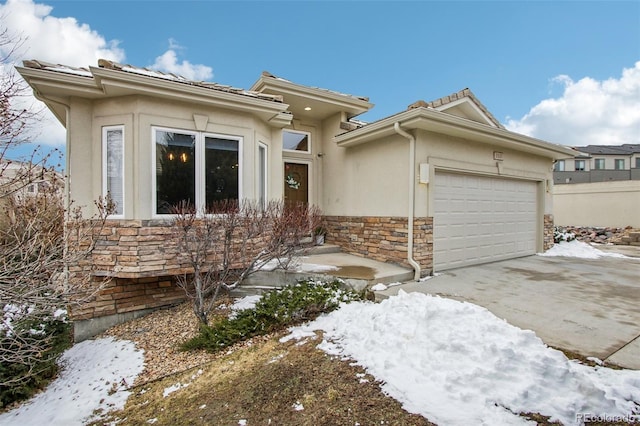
x: 296, y: 182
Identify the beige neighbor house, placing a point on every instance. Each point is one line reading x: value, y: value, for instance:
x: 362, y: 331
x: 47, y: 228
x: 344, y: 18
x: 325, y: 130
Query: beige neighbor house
x: 437, y: 186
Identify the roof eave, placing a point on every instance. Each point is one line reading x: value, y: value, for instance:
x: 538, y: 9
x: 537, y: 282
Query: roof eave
x: 440, y: 122
x: 352, y: 104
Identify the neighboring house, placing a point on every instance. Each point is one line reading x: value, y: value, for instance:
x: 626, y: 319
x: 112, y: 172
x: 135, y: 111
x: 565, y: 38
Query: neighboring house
x: 599, y: 163
x: 437, y: 186
x: 598, y: 186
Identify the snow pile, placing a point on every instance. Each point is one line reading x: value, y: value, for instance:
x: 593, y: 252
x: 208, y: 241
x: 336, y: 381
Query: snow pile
x: 247, y: 302
x: 95, y: 375
x: 456, y: 363
x: 576, y: 248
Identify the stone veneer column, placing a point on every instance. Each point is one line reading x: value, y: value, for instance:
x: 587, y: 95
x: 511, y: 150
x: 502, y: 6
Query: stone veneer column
x: 383, y: 238
x: 548, y: 232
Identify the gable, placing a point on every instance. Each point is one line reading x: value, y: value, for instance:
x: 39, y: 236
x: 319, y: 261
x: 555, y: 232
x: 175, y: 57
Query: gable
x: 463, y: 104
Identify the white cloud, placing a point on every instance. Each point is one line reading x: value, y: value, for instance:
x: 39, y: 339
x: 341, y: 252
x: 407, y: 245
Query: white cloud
x: 589, y: 112
x: 168, y: 62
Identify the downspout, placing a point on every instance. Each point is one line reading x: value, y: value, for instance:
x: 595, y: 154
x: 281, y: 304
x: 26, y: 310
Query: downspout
x: 412, y: 190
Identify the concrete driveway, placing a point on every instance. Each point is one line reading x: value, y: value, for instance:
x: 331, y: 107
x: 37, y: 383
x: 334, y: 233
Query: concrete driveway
x: 588, y: 306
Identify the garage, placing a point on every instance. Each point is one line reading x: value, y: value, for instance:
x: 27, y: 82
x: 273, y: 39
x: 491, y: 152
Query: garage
x: 480, y: 219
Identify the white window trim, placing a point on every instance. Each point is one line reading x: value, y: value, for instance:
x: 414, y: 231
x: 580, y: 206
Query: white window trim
x: 265, y: 168
x: 105, y: 131
x: 199, y: 165
x: 300, y: 132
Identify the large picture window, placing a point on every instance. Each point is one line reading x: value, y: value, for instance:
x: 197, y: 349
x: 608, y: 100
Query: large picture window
x: 113, y: 166
x: 194, y: 167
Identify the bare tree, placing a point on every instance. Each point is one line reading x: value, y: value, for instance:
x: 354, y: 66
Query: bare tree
x: 223, y: 245
x: 36, y: 230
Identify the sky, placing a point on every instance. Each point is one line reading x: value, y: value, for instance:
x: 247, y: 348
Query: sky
x: 457, y: 364
x: 567, y: 72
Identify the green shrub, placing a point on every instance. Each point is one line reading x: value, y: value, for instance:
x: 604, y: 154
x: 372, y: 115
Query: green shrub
x: 276, y: 310
x: 561, y: 235
x: 19, y: 381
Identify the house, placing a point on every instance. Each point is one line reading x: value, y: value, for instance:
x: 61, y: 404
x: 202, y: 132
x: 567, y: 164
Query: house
x: 437, y: 186
x: 599, y: 163
x: 598, y: 186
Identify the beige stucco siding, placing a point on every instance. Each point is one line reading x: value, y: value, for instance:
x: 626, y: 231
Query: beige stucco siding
x: 139, y: 115
x: 615, y: 204
x: 371, y: 179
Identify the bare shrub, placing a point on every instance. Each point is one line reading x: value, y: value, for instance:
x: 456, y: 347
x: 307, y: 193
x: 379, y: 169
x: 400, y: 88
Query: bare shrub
x: 229, y: 241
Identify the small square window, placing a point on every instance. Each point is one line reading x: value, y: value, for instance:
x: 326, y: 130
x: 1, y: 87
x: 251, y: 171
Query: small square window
x: 295, y: 141
x: 580, y: 165
x: 559, y: 167
x: 619, y: 164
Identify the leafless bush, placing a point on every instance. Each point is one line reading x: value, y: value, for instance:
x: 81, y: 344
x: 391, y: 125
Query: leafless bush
x: 226, y: 243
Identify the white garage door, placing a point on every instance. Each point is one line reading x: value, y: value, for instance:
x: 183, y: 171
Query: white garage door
x: 481, y: 219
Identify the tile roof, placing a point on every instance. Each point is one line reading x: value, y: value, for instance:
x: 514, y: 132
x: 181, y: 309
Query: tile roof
x: 362, y: 98
x: 464, y: 93
x: 111, y: 65
x: 624, y: 149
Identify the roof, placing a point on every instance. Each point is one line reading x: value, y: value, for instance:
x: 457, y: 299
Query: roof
x: 111, y: 65
x: 625, y: 149
x: 430, y: 119
x: 455, y: 99
x: 55, y: 84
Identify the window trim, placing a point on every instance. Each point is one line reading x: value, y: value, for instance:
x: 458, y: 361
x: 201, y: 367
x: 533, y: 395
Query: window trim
x: 105, y: 181
x: 263, y: 178
x: 301, y: 132
x: 560, y: 166
x: 200, y: 178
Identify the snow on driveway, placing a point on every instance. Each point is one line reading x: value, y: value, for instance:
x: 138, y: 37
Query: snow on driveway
x: 579, y: 249
x: 455, y: 363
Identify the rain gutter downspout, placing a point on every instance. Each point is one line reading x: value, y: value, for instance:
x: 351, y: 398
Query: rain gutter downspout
x: 412, y: 189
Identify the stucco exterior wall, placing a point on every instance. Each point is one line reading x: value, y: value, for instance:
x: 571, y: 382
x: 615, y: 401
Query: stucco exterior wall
x: 138, y: 114
x: 614, y: 204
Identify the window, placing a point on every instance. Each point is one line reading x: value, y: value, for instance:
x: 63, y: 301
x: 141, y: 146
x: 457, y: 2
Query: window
x: 295, y: 141
x: 637, y: 162
x: 580, y: 165
x: 262, y: 174
x: 113, y: 166
x: 559, y: 167
x: 619, y: 164
x: 194, y: 167
x: 598, y: 164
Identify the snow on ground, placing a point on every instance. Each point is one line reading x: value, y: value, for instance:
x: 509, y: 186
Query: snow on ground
x: 455, y: 363
x: 577, y: 248
x: 95, y: 375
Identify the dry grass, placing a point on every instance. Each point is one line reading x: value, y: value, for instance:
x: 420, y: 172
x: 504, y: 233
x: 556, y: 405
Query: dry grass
x: 262, y: 384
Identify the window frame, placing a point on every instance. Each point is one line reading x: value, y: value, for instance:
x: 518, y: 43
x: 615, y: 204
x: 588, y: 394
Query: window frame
x: 559, y: 166
x: 582, y: 165
x: 637, y: 162
x: 617, y: 162
x: 200, y: 164
x: 300, y: 132
x: 105, y: 177
x: 263, y: 174
x: 597, y: 162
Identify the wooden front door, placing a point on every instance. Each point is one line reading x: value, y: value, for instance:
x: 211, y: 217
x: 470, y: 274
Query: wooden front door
x: 296, y: 182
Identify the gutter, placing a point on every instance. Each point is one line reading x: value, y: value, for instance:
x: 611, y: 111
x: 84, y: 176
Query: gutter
x: 411, y: 205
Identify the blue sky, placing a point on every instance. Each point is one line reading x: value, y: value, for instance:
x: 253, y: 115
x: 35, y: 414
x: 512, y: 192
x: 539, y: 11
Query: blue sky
x: 564, y: 71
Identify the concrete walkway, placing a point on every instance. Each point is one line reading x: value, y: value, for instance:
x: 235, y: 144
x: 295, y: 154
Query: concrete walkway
x: 591, y: 307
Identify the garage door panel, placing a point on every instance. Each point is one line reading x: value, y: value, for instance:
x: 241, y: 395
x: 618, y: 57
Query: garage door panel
x: 480, y: 219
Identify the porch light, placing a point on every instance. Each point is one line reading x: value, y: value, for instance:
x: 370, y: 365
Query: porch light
x: 307, y: 108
